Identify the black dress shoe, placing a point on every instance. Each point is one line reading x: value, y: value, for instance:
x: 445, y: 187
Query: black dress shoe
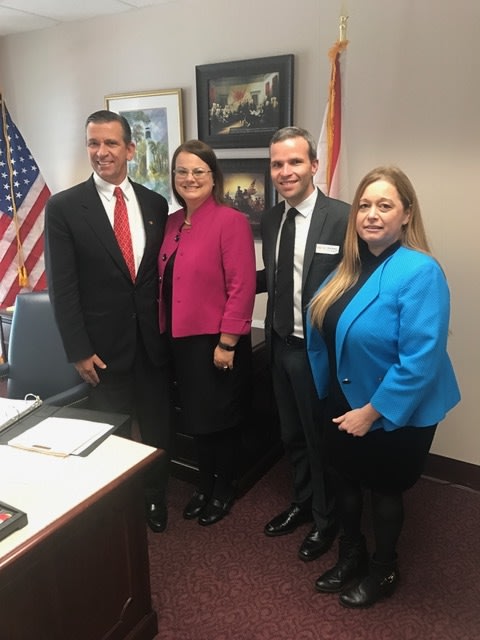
x: 215, y: 511
x: 157, y: 516
x: 195, y: 506
x: 317, y: 543
x: 288, y: 521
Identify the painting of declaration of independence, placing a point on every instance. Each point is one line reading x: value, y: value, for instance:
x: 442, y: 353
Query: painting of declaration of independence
x: 248, y: 188
x: 244, y: 103
x: 156, y: 122
x: 239, y: 104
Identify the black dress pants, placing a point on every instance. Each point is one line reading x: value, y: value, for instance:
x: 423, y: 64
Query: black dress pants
x: 301, y: 426
x: 143, y: 393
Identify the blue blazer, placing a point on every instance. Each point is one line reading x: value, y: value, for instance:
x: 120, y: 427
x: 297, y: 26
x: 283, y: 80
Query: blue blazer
x: 391, y: 344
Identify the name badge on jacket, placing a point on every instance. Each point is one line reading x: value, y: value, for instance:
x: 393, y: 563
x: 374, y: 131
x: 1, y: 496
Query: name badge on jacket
x: 331, y: 249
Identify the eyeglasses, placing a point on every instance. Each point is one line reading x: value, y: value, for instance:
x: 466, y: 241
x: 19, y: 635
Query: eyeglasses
x: 196, y: 173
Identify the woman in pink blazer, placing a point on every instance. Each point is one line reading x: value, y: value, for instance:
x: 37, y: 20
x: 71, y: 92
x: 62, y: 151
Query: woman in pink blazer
x: 207, y: 292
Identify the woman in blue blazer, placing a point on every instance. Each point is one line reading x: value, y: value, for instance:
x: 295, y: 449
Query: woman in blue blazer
x: 377, y: 342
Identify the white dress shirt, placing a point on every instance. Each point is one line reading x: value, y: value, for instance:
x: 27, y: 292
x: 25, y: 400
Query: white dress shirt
x: 135, y: 220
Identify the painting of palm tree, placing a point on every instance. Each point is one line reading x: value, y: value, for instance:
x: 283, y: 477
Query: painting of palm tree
x: 156, y: 122
x: 150, y: 165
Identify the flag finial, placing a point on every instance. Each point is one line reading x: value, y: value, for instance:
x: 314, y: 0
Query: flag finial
x: 343, y: 28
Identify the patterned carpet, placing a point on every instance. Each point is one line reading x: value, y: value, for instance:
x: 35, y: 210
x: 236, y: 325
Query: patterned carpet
x: 230, y: 582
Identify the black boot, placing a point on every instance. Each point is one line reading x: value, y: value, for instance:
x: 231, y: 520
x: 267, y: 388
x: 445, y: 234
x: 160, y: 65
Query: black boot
x: 352, y: 564
x: 381, y: 582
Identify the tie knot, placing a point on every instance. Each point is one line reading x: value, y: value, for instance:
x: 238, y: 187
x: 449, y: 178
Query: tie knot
x: 291, y: 213
x: 117, y: 192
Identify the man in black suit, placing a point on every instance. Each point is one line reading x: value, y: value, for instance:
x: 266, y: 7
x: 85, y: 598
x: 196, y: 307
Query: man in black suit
x: 108, y: 315
x: 319, y: 225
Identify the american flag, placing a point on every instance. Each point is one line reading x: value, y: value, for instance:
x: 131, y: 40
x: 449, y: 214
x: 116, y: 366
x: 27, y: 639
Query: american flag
x: 23, y: 195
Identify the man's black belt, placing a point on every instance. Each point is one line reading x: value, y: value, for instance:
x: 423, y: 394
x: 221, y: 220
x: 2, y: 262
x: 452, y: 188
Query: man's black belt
x: 292, y: 341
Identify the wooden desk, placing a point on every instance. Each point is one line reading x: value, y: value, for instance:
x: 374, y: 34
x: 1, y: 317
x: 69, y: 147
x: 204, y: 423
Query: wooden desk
x: 79, y: 570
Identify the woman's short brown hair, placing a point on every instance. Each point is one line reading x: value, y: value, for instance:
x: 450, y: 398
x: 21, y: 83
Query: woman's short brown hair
x: 207, y: 154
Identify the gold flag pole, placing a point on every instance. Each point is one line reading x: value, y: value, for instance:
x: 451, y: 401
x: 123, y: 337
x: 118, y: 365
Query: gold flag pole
x: 22, y: 270
x: 343, y: 29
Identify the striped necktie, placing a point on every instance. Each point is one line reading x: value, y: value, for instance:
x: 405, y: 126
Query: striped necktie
x: 122, y: 230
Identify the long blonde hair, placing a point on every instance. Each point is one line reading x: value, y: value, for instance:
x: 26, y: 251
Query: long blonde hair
x: 348, y: 271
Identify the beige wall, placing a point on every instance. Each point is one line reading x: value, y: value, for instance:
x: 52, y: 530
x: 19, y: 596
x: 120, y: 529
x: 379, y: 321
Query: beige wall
x: 412, y: 99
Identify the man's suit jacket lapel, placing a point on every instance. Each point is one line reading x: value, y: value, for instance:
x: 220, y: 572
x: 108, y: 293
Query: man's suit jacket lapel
x: 96, y: 217
x: 270, y: 267
x: 314, y: 233
x: 150, y: 225
x: 317, y: 222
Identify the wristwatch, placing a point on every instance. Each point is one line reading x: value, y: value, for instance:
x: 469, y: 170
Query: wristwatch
x: 226, y: 347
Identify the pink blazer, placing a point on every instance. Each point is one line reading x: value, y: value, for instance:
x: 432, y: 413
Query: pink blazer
x: 214, y: 273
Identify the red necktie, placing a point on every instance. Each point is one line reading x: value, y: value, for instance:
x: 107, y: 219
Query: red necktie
x: 122, y: 231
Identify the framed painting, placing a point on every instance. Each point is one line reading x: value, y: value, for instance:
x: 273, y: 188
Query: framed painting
x: 156, y: 120
x: 242, y: 104
x: 247, y: 187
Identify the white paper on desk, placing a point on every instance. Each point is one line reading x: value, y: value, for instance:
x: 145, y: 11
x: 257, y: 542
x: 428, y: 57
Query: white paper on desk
x: 61, y: 436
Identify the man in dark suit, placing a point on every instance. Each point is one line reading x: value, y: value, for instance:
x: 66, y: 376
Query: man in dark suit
x: 107, y: 314
x: 318, y: 228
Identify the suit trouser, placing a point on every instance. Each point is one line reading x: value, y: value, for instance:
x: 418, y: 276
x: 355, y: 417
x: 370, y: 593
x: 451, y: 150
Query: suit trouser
x: 301, y: 426
x: 143, y: 392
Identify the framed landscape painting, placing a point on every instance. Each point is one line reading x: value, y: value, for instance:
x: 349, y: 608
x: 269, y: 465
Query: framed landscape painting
x: 156, y: 121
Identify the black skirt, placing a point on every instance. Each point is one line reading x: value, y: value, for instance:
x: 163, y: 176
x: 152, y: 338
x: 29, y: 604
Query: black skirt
x: 385, y: 461
x: 211, y: 399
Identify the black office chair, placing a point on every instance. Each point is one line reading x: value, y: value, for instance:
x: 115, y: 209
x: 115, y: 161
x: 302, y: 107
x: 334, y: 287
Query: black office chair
x: 36, y: 358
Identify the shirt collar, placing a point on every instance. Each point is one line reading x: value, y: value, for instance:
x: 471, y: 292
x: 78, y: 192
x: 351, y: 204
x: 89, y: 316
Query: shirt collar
x: 106, y: 189
x: 305, y: 207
